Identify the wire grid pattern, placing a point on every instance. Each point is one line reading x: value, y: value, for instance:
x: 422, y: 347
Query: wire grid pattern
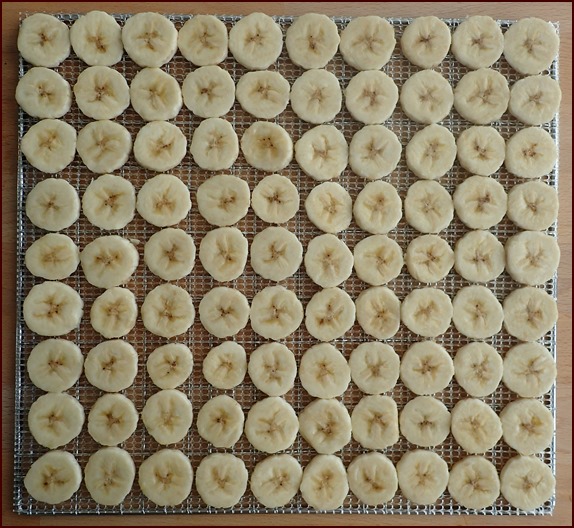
x: 141, y: 444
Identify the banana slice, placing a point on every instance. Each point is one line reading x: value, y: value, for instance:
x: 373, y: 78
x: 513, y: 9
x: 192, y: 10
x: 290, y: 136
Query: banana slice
x: 431, y: 152
x: 482, y: 96
x: 479, y: 256
x: 214, y: 144
x: 256, y: 41
x: 475, y: 426
x: 480, y: 150
x: 55, y: 419
x: 476, y: 312
x: 163, y: 200
x: 170, y: 254
x: 426, y: 97
x: 168, y: 311
x: 52, y: 309
x: 526, y: 482
x: 480, y: 202
x: 374, y: 152
x: 374, y: 367
x: 111, y: 366
x: 422, y: 476
x: 101, y: 92
x: 379, y: 312
x: 160, y: 146
x: 324, y: 371
x: 529, y: 313
x: 167, y: 416
x: 530, y: 45
x: 427, y: 312
x: 223, y: 312
x: 527, y: 426
x: 263, y: 94
x: 220, y: 421
x: 276, y: 312
x: 312, y: 40
x: 53, y: 256
x: 170, y: 365
x: 209, y: 91
x: 109, y: 475
x: 54, y: 365
x: 529, y: 370
x: 329, y: 314
x: 155, y: 95
x: 375, y: 422
x: 43, y: 40
x: 150, y: 39
x: 329, y: 207
x: 367, y: 43
x: 54, y: 477
x: 44, y: 93
x: 322, y: 152
x: 426, y: 368
x: 328, y: 261
x: 275, y: 199
x: 109, y: 202
x: 316, y: 96
x: 221, y: 480
x: 96, y: 38
x: 429, y: 258
x: 371, y: 97
x: 325, y: 425
x: 225, y: 365
x: 166, y: 477
x: 473, y: 483
x: 49, y: 145
x: 533, y: 205
x: 530, y: 153
x: 426, y: 41
x: 477, y: 42
x: 267, y: 146
x: 532, y: 257
x: 378, y: 208
x: 114, y: 313
x: 425, y: 421
x: 271, y: 425
x: 104, y: 146
x: 324, y: 484
x: 372, y: 478
x: 272, y: 369
x: 428, y: 206
x: 378, y: 260
x: 275, y: 480
x: 223, y: 199
x: 223, y: 253
x: 202, y: 40
x: 276, y: 253
x: 478, y: 369
x: 534, y: 100
x: 112, y: 419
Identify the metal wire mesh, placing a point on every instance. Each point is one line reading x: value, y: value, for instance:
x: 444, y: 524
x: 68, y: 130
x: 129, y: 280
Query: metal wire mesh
x: 141, y: 444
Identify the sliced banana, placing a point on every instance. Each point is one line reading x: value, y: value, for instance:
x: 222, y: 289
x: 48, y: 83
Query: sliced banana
x: 202, y: 40
x: 375, y: 422
x: 96, y: 38
x: 225, y: 365
x: 54, y: 365
x: 324, y: 484
x: 426, y: 368
x: 275, y: 480
x: 480, y: 150
x: 160, y: 146
x: 263, y: 94
x: 167, y: 416
x: 109, y: 202
x: 328, y: 261
x: 479, y: 256
x: 53, y: 256
x: 529, y: 313
x: 101, y: 92
x: 272, y: 369
x: 209, y: 91
x: 431, y: 152
x: 532, y: 257
x: 378, y: 260
x: 367, y: 42
x: 55, y: 419
x: 422, y: 475
x: 530, y: 153
x: 276, y: 312
x: 475, y: 426
x: 44, y: 93
x: 427, y: 312
x: 111, y: 366
x: 478, y: 369
x: 112, y: 420
x: 168, y: 311
x: 425, y: 421
x: 535, y: 100
x: 150, y: 39
x: 329, y: 314
x: 109, y: 475
x: 223, y: 253
x: 379, y: 312
x: 477, y: 42
x: 527, y: 426
x: 374, y: 367
x: 322, y: 152
x: 220, y: 421
x: 43, y: 40
x: 312, y: 40
x: 476, y: 312
x: 480, y: 202
x: 223, y: 312
x: 533, y: 205
x: 275, y: 199
x: 155, y: 95
x: 256, y: 41
x: 104, y: 146
x: 324, y: 371
x: 214, y: 144
x: 316, y: 96
x: 52, y: 309
x: 378, y: 208
x: 329, y: 207
x: 325, y: 425
x: 529, y: 370
x: 429, y: 258
x: 170, y: 254
x: 374, y: 152
x: 163, y: 200
x: 114, y: 313
x: 223, y: 199
x: 267, y: 146
x: 473, y: 483
x: 372, y: 478
x: 49, y: 145
x: 276, y: 253
x: 426, y: 41
x: 428, y: 206
x: 170, y: 365
x: 426, y: 97
x: 371, y: 97
x: 221, y: 480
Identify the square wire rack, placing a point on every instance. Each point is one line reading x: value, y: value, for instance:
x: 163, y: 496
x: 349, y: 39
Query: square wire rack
x: 141, y: 444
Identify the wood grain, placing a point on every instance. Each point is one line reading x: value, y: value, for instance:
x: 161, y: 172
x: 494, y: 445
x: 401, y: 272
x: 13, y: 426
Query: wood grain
x: 556, y: 11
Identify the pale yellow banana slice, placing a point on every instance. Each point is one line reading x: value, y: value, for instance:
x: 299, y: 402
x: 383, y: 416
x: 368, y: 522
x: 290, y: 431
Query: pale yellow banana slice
x: 104, y: 146
x: 109, y: 475
x: 431, y: 152
x: 374, y: 152
x: 101, y: 92
x: 535, y: 100
x: 214, y: 145
x: 170, y: 365
x: 163, y: 200
x: 114, y: 313
x: 367, y: 42
x: 375, y: 422
x: 427, y: 312
x: 425, y: 421
x: 371, y: 97
x: 276, y: 253
x: 96, y: 38
x: 329, y: 314
x: 53, y: 256
x: 275, y: 480
x: 43, y: 40
x: 202, y: 40
x: 160, y: 146
x: 473, y: 483
x: 316, y: 96
x: 426, y: 368
x: 480, y: 150
x: 223, y: 312
x: 109, y: 202
x: 428, y: 206
x: 221, y: 480
x: 377, y: 260
x: 220, y: 421
x: 429, y: 258
x: 223, y: 199
x: 533, y: 205
x: 263, y: 94
x: 167, y: 416
x: 532, y: 257
x: 529, y: 313
x: 275, y: 199
x: 322, y: 152
x: 480, y: 202
x: 379, y: 312
x: 168, y: 311
x: 329, y: 207
x: 477, y: 42
x: 476, y: 312
x: 267, y: 146
x: 49, y: 145
x: 529, y: 370
x: 324, y: 371
x: 479, y: 256
x: 223, y: 253
x: 328, y: 261
x: 374, y: 367
x: 422, y: 475
x: 209, y: 91
x: 325, y: 425
x: 44, y: 93
x: 225, y: 365
x: 478, y: 369
x: 111, y: 366
x: 324, y: 484
x: 54, y: 365
x: 378, y: 208
x: 426, y: 41
x: 170, y: 254
x: 527, y: 426
x: 475, y: 426
x: 312, y: 40
x: 155, y: 95
x: 426, y: 97
x: 150, y: 39
x: 530, y: 153
x: 276, y: 312
x: 372, y: 478
x: 112, y: 420
x: 272, y: 369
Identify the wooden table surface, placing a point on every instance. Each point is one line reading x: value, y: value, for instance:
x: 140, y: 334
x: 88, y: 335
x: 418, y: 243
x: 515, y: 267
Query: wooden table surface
x: 558, y: 11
